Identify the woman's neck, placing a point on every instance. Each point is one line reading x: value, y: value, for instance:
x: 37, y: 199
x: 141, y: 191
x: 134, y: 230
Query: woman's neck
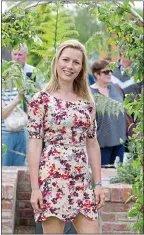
x: 65, y: 88
x: 103, y: 88
x: 100, y: 84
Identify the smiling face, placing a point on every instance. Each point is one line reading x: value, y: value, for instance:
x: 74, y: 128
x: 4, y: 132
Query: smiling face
x: 69, y: 64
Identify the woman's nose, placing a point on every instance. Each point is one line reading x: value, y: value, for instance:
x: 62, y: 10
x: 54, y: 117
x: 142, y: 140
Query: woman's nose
x: 70, y: 64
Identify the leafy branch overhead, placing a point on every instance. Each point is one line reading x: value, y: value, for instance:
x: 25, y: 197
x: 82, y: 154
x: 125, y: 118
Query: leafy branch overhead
x: 17, y: 27
x: 58, y: 28
x: 107, y: 105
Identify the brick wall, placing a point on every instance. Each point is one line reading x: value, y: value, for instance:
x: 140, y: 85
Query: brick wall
x: 9, y: 186
x: 24, y: 211
x: 16, y: 205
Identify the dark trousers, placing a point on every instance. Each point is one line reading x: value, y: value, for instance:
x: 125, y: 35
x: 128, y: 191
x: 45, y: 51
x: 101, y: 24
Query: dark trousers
x: 109, y: 154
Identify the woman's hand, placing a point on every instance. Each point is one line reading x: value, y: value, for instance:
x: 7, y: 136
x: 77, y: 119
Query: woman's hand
x: 21, y: 94
x: 37, y: 200
x: 99, y: 196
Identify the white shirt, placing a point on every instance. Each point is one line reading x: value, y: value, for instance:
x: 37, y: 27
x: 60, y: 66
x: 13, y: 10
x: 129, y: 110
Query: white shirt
x: 122, y: 84
x: 28, y: 69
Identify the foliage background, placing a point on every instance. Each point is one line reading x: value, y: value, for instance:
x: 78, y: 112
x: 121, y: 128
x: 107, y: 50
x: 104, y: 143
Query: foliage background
x: 99, y: 25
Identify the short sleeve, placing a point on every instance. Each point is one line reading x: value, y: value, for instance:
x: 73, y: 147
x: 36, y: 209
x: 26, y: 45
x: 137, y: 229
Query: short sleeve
x: 91, y: 133
x: 36, y: 111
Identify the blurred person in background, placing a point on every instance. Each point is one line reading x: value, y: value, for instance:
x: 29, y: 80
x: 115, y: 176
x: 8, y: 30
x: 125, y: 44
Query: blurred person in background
x: 125, y: 84
x: 21, y: 55
x: 15, y: 141
x: 124, y: 80
x: 110, y: 129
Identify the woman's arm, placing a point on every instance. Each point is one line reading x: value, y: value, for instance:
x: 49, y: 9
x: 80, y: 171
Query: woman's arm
x: 34, y: 153
x: 7, y: 109
x: 94, y: 159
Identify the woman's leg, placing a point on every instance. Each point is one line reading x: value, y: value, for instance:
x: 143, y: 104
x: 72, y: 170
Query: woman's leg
x: 84, y: 225
x: 53, y: 225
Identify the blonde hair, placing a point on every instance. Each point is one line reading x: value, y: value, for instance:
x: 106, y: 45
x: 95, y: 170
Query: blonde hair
x: 21, y: 46
x: 80, y: 85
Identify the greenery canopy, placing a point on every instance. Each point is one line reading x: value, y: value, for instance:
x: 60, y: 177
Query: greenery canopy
x: 43, y: 26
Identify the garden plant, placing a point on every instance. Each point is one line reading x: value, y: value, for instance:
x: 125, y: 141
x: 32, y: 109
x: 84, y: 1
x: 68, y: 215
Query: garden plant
x: 43, y: 25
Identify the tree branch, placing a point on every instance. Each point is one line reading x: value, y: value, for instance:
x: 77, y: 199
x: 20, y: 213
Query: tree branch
x: 131, y: 10
x: 36, y: 4
x: 47, y: 1
x: 13, y: 6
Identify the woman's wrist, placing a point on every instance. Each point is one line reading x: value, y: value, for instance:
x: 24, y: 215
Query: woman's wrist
x: 97, y: 183
x: 18, y: 98
x: 35, y: 189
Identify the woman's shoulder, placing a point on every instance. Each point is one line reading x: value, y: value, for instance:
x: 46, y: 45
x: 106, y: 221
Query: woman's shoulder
x: 91, y: 106
x: 41, y: 97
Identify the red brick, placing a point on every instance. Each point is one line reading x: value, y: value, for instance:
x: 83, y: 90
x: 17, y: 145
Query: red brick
x: 9, y: 191
x: 27, y: 176
x: 108, y: 217
x: 7, y: 214
x: 24, y: 205
x: 26, y: 213
x: 10, y: 168
x: 2, y: 191
x: 26, y: 221
x: 124, y: 217
x: 21, y: 175
x: 23, y: 195
x: 116, y: 195
x: 11, y: 175
x: 7, y: 204
x: 24, y: 188
x: 107, y: 194
x: 113, y: 214
x: 7, y: 226
x: 126, y: 193
x: 111, y: 227
x: 115, y: 207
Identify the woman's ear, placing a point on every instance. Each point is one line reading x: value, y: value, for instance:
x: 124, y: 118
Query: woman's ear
x: 96, y: 75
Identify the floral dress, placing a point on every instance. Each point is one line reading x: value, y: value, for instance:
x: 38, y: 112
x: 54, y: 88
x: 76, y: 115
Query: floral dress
x: 64, y: 177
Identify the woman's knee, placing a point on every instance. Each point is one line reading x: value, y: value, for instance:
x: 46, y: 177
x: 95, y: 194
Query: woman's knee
x: 83, y: 224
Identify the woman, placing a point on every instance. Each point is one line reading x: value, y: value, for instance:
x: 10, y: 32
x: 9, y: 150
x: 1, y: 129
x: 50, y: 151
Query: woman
x: 110, y: 129
x: 15, y: 141
x: 63, y: 115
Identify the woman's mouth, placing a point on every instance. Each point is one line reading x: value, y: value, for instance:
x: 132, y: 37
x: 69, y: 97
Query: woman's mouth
x: 68, y: 73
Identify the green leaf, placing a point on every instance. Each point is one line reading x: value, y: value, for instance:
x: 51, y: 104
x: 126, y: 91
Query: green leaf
x: 133, y: 212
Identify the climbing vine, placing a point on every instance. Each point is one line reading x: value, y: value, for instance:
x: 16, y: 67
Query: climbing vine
x: 126, y: 29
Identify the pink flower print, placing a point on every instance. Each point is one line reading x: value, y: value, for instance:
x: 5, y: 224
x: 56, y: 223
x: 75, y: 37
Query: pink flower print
x: 63, y: 130
x: 45, y: 100
x: 58, y: 196
x: 47, y: 205
x: 87, y: 204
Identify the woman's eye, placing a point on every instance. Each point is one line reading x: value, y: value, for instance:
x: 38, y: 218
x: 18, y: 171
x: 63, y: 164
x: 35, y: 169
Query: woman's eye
x: 65, y: 59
